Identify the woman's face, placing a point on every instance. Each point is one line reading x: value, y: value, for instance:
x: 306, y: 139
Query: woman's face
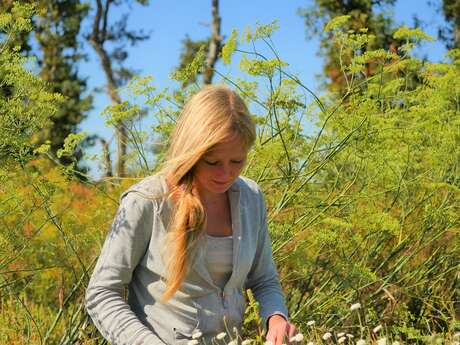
x: 218, y: 169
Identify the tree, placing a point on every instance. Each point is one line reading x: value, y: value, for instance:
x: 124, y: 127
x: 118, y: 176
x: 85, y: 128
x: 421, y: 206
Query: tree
x: 451, y: 34
x: 57, y: 28
x: 364, y: 16
x: 103, y: 33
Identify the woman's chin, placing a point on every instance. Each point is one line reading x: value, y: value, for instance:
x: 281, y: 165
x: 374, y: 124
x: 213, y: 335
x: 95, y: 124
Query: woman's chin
x: 218, y: 188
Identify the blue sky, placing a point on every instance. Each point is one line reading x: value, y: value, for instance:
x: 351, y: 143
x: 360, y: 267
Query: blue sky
x: 170, y: 21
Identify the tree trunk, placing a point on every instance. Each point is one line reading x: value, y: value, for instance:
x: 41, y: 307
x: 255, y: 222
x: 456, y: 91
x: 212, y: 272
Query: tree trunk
x: 214, y: 44
x: 107, y: 160
x: 97, y: 40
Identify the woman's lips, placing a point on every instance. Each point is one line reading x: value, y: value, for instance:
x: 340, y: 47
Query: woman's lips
x: 221, y: 183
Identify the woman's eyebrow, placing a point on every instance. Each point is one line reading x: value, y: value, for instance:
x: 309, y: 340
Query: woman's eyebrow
x: 208, y: 155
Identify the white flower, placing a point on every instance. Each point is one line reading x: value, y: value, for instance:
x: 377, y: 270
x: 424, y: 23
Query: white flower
x: 327, y: 335
x: 221, y: 335
x: 197, y: 335
x: 192, y: 342
x: 246, y: 342
x: 233, y: 342
x: 297, y: 338
x: 310, y: 343
x: 382, y: 341
x: 395, y: 343
x: 377, y: 328
x: 361, y: 342
x: 355, y: 306
x: 351, y: 336
x: 341, y: 340
x: 311, y: 323
x: 341, y: 334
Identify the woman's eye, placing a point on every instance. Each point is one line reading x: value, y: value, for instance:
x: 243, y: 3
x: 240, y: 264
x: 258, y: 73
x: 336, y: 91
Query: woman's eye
x: 238, y: 162
x: 210, y: 163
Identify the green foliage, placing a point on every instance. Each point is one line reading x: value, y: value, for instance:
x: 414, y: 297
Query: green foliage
x: 362, y: 190
x: 334, y: 21
x: 253, y: 324
x: 192, y: 61
x: 257, y: 67
x: 262, y: 31
x: 411, y: 37
x: 19, y: 20
x: 25, y: 105
x: 229, y: 47
x: 337, y: 23
x: 70, y: 143
x: 191, y: 70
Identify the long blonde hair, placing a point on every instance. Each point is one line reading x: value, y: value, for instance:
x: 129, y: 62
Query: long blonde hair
x: 211, y: 116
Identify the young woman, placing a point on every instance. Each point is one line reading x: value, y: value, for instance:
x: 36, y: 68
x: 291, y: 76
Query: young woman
x: 187, y: 240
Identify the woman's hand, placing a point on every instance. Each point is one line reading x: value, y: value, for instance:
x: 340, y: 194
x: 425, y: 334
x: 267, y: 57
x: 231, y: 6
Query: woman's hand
x: 278, y: 329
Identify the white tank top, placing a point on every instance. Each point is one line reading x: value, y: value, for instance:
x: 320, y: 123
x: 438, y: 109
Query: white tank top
x: 219, y: 258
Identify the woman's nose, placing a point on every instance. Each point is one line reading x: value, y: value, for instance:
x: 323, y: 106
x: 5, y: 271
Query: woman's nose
x: 225, y: 171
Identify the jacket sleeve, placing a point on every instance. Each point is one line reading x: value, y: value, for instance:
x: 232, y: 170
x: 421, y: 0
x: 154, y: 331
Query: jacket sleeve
x: 263, y: 278
x: 124, y: 247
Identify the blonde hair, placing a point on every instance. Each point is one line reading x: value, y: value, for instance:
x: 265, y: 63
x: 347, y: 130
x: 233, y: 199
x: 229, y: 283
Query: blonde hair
x: 213, y: 115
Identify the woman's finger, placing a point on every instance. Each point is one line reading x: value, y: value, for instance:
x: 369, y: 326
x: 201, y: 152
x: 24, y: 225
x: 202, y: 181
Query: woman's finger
x: 292, y: 330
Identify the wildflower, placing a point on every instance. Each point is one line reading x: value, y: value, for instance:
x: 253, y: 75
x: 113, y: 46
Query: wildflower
x: 361, y: 342
x: 395, y: 343
x: 341, y: 334
x: 377, y: 328
x: 233, y: 342
x: 311, y: 323
x: 341, y: 340
x: 327, y: 335
x: 221, y: 336
x: 197, y: 335
x: 351, y: 336
x: 297, y: 338
x: 355, y: 306
x: 382, y: 341
x: 310, y: 343
x: 246, y: 342
x: 192, y: 342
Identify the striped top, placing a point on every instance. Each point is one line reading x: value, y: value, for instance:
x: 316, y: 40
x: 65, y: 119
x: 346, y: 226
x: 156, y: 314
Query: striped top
x: 219, y: 258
